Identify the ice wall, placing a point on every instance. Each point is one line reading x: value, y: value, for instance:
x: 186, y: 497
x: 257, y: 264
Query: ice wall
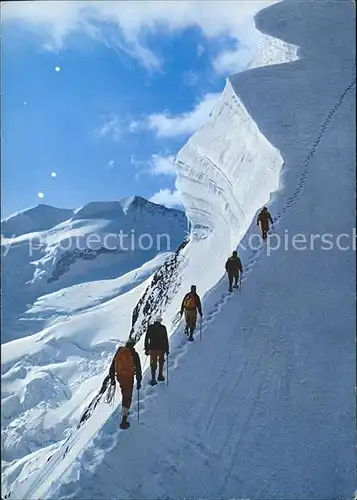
x: 226, y: 172
x: 255, y: 146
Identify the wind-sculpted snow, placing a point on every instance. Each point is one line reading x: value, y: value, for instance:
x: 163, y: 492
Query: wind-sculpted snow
x: 266, y: 124
x: 224, y: 181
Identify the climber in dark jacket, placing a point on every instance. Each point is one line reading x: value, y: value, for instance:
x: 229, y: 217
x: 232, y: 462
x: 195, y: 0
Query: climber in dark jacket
x: 233, y: 268
x: 263, y: 219
x: 125, y: 365
x: 156, y: 344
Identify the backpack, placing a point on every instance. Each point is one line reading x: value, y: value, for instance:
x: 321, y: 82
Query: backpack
x: 124, y: 363
x: 190, y: 302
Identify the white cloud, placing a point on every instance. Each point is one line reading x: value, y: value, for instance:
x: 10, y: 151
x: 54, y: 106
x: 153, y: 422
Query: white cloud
x: 163, y: 165
x: 168, y: 198
x: 143, y: 165
x: 158, y: 164
x: 190, y: 78
x: 134, y: 126
x: 232, y: 61
x: 166, y: 125
x: 110, y: 164
x: 55, y: 21
x: 200, y: 50
x: 111, y: 128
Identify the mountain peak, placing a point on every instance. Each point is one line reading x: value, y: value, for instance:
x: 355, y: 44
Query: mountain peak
x: 131, y: 202
x: 43, y: 217
x: 34, y: 219
x: 99, y: 210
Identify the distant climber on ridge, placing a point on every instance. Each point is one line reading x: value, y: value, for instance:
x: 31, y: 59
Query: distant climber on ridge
x: 233, y: 268
x: 263, y: 219
x: 126, y: 364
x: 156, y: 344
x: 190, y: 305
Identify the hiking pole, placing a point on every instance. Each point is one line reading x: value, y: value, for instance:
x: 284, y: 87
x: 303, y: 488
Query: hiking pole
x: 201, y: 329
x: 240, y: 282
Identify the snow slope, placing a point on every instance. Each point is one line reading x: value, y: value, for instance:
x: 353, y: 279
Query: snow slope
x: 67, y: 329
x: 263, y: 406
x: 33, y: 220
x: 47, y: 377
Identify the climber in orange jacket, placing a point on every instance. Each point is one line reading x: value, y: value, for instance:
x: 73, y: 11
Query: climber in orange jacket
x: 125, y: 365
x: 190, y: 305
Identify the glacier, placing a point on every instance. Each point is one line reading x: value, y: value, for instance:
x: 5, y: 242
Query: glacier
x: 262, y: 406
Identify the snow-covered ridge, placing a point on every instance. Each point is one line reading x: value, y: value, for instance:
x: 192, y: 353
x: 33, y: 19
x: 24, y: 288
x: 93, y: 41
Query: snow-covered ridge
x: 164, y: 286
x: 264, y: 405
x: 45, y: 217
x: 121, y: 208
x: 34, y: 219
x: 99, y: 210
x: 234, y: 164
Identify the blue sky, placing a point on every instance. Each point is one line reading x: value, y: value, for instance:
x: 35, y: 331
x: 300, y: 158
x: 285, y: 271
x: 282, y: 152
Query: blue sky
x: 129, y: 90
